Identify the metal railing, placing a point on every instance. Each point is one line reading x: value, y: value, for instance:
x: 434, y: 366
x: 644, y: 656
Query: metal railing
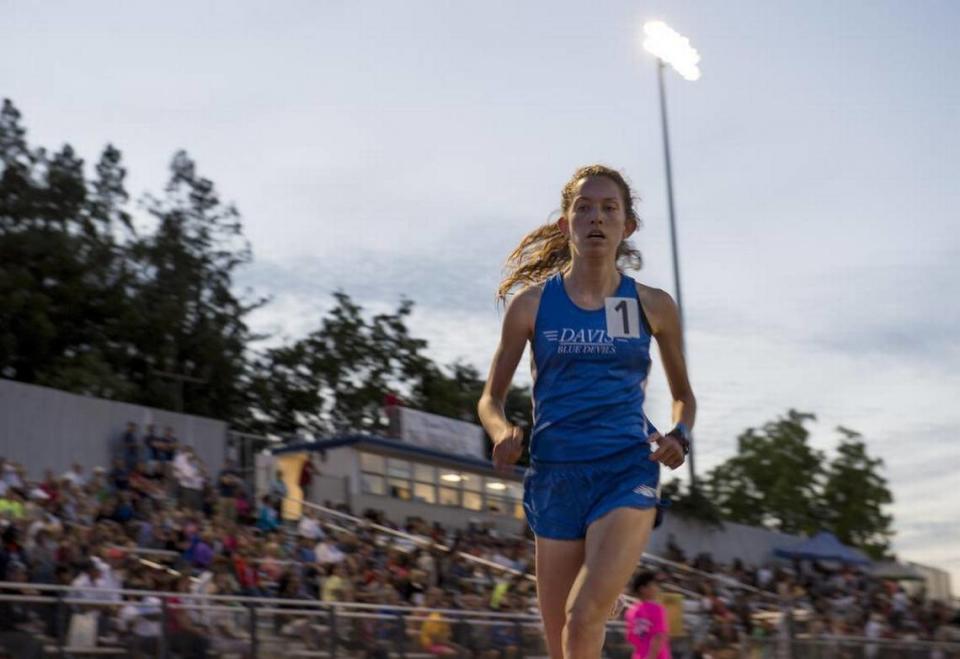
x: 70, y: 622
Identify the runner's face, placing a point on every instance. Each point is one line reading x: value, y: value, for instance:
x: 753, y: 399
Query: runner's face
x: 596, y: 222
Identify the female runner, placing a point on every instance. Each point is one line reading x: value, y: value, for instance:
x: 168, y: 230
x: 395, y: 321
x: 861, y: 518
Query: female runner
x: 591, y: 489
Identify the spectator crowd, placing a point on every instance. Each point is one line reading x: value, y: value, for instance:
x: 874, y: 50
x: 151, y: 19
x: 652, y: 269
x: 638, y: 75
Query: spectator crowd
x: 157, y: 520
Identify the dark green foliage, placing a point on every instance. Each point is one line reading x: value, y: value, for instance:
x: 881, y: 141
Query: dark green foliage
x: 774, y: 478
x: 691, y: 503
x: 779, y: 481
x: 90, y: 305
x: 335, y: 379
x: 855, y: 494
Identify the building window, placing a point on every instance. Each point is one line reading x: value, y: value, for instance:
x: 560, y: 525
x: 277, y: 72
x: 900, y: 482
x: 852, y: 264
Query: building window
x: 373, y: 484
x: 472, y: 501
x: 449, y: 496
x: 413, y: 481
x: 424, y: 473
x: 398, y: 468
x: 399, y: 488
x: 425, y: 492
x: 498, y: 505
x: 372, y: 463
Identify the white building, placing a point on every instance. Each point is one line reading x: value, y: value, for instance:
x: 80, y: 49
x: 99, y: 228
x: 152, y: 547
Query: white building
x: 437, y: 471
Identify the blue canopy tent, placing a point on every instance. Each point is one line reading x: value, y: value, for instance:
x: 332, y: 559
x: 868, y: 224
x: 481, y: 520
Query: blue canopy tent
x: 824, y: 546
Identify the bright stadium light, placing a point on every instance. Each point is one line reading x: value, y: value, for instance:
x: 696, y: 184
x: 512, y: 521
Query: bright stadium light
x: 673, y: 48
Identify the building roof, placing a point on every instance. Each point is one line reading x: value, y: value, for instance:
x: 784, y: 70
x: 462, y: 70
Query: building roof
x: 401, y: 447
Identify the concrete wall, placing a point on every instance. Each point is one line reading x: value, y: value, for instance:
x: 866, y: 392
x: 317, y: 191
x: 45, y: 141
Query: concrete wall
x: 47, y: 428
x: 334, y: 489
x: 341, y: 464
x: 751, y: 545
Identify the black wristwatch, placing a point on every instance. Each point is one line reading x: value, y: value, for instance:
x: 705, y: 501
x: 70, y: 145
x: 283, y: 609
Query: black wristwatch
x: 681, y: 434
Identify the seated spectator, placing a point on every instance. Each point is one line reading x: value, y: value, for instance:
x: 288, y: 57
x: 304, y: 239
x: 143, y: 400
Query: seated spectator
x: 143, y: 483
x: 17, y: 637
x: 336, y: 586
x: 91, y: 584
x: 272, y: 565
x: 119, y: 476
x: 13, y: 477
x: 186, y: 638
x: 436, y: 633
x: 505, y: 637
x: 327, y: 552
x: 11, y: 505
x: 142, y: 621
x: 246, y: 574
x: 200, y: 553
x: 123, y: 510
x: 304, y: 551
x: 267, y: 519
x: 11, y: 551
x: 309, y: 527
x: 75, y: 475
x: 50, y: 486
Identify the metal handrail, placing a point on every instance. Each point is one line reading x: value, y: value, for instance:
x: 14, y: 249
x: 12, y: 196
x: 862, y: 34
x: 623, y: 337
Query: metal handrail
x: 422, y: 540
x: 306, y: 604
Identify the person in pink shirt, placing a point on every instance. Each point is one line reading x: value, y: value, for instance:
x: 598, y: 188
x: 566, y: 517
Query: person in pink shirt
x: 646, y: 621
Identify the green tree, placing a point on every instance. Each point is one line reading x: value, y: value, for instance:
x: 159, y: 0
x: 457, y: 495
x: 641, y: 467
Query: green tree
x: 855, y: 494
x: 191, y: 336
x: 336, y: 378
x: 774, y: 480
x: 283, y: 394
x: 93, y: 306
x: 692, y: 503
x: 60, y: 265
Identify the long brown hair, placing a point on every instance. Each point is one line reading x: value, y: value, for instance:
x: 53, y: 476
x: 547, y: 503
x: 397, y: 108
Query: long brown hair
x: 545, y: 251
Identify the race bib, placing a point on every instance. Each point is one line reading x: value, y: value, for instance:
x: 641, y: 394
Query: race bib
x: 623, y: 317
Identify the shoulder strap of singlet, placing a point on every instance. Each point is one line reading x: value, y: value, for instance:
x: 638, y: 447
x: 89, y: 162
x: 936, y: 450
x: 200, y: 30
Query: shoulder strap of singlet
x: 643, y: 314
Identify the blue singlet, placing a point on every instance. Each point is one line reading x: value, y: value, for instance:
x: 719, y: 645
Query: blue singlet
x: 589, y: 379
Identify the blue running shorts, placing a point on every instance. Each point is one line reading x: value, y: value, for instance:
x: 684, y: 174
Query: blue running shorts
x: 562, y: 499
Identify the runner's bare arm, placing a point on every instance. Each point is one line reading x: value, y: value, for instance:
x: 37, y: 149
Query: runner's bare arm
x: 518, y: 322
x: 664, y: 320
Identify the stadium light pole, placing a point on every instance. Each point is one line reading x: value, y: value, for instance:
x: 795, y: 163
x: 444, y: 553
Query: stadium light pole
x: 670, y: 47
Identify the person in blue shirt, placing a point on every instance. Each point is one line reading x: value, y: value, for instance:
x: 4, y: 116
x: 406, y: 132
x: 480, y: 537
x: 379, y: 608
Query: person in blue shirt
x: 267, y: 520
x: 590, y: 492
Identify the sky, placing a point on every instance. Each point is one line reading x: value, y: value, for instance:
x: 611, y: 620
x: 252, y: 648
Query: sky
x: 403, y: 149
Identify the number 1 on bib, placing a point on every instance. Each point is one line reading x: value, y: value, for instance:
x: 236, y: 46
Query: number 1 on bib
x: 623, y: 317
